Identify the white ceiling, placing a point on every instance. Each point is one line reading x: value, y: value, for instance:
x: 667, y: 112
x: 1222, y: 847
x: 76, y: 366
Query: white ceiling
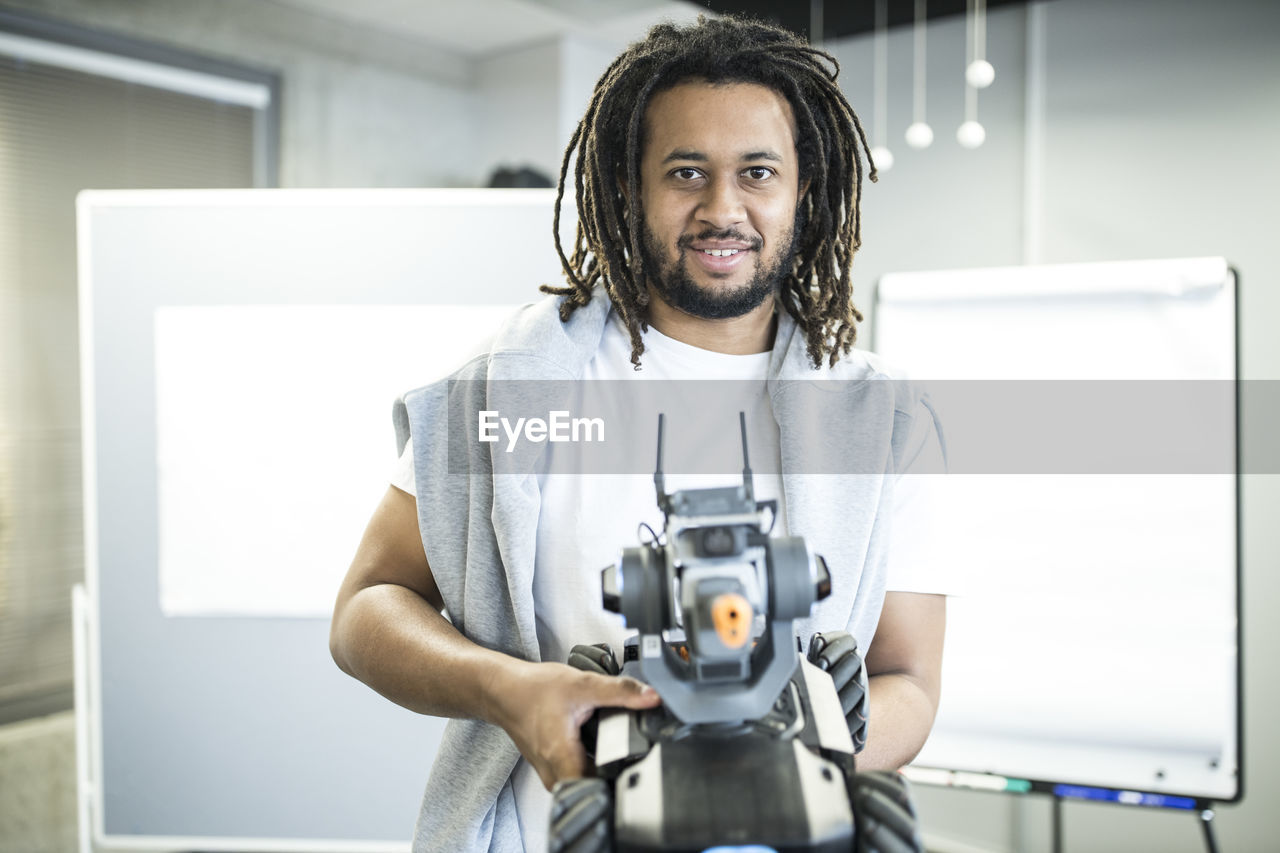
x: 478, y: 27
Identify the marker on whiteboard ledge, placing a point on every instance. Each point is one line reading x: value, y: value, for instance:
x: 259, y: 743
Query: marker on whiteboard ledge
x: 1127, y: 798
x: 963, y: 779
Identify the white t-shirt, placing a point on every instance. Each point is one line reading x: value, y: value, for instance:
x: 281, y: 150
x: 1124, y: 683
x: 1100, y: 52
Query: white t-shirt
x: 586, y: 519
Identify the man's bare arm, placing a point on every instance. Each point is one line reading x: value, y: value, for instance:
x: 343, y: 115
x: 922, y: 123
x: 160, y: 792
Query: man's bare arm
x: 388, y: 631
x: 904, y: 668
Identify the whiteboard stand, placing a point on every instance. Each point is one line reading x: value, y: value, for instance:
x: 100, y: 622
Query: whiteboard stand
x: 1205, y: 816
x: 1057, y: 824
x: 80, y: 659
x: 1206, y: 822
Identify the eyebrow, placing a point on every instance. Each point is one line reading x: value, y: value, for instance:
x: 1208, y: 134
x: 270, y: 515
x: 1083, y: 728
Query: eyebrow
x: 699, y: 157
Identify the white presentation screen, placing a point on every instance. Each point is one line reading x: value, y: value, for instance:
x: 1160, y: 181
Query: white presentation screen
x: 1095, y: 642
x: 228, y: 447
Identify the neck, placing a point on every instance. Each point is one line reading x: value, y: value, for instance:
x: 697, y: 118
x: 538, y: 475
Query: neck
x: 751, y: 333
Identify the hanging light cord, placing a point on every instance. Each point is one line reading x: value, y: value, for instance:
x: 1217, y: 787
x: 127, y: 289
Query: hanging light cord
x: 882, y: 72
x: 971, y: 49
x: 980, y: 29
x: 918, y: 99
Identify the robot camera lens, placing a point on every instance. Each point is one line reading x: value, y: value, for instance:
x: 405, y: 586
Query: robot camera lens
x: 717, y: 542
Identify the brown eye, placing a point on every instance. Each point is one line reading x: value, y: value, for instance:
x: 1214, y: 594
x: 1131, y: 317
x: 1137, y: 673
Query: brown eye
x: 759, y: 173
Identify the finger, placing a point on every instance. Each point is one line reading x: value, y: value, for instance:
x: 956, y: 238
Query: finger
x: 545, y: 774
x: 625, y: 692
x: 569, y: 763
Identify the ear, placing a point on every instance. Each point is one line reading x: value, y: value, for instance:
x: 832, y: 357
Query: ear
x: 804, y: 205
x: 625, y: 190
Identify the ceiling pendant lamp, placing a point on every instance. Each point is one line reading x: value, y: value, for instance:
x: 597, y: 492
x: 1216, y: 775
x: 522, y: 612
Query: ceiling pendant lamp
x: 971, y: 134
x: 881, y: 156
x: 919, y: 134
x: 817, y: 28
x: 979, y: 73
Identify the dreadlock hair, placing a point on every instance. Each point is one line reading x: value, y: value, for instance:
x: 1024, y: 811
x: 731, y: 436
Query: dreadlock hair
x: 816, y: 291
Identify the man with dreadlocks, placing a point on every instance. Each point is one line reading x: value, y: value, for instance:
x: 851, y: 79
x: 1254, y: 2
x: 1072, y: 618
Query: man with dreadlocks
x: 717, y: 176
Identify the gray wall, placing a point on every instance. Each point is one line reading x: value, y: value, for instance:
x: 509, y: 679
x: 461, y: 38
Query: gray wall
x: 518, y: 126
x: 364, y: 107
x: 361, y: 106
x: 945, y: 207
x: 1157, y: 121
x: 530, y: 99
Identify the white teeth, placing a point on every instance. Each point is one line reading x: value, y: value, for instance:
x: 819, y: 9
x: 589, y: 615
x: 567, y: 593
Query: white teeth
x: 720, y: 253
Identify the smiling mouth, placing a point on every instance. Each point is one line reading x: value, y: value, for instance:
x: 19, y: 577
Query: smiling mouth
x: 719, y: 254
x: 720, y: 263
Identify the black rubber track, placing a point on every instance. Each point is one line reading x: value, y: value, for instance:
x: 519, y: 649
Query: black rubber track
x: 836, y: 652
x: 883, y: 814
x: 581, y: 817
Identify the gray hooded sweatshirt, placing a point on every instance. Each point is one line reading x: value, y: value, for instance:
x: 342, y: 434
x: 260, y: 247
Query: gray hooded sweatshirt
x: 479, y: 528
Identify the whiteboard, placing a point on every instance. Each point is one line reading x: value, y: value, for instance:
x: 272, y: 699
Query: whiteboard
x: 240, y: 354
x: 1095, y: 644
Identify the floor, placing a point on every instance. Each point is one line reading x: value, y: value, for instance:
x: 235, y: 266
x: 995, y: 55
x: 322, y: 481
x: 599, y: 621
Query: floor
x: 38, y: 785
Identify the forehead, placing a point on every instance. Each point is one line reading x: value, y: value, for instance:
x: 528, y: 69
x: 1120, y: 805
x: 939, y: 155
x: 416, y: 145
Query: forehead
x: 718, y: 118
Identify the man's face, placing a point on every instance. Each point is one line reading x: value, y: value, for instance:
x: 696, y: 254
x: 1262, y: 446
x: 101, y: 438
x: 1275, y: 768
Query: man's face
x: 719, y: 182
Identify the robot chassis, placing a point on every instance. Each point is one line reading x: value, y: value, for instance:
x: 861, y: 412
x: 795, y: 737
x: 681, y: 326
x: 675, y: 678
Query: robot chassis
x: 753, y: 746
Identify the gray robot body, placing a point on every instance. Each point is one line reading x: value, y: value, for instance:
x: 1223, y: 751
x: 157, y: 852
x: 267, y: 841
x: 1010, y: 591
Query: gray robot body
x: 753, y: 747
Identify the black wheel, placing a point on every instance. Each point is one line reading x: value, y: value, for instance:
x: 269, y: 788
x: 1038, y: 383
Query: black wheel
x: 884, y: 818
x: 600, y: 660
x: 836, y: 653
x: 581, y: 817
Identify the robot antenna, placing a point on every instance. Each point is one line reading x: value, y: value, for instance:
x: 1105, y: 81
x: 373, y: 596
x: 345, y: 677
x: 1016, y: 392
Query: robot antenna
x: 659, y: 482
x: 746, y: 461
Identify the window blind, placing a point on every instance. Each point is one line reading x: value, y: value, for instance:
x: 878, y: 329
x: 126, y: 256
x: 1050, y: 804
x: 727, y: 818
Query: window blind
x: 61, y: 131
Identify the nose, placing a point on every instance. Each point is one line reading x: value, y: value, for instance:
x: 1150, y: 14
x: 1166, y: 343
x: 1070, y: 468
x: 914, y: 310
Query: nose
x: 721, y: 205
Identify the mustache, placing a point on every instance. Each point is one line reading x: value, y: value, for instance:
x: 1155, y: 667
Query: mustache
x: 687, y: 240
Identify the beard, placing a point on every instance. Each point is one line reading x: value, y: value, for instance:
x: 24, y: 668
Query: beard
x: 677, y: 288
